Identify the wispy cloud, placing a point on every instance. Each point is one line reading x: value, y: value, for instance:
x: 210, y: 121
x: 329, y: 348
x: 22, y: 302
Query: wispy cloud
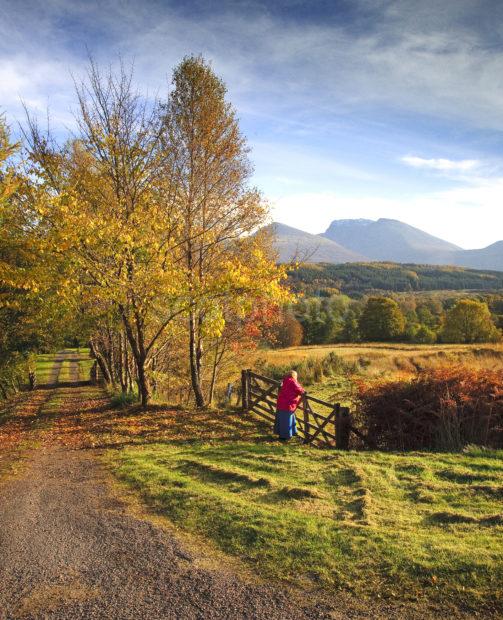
x: 443, y: 165
x: 425, y: 58
x: 329, y: 97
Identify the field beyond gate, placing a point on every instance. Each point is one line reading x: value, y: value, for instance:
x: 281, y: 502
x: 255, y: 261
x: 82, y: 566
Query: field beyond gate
x: 317, y: 420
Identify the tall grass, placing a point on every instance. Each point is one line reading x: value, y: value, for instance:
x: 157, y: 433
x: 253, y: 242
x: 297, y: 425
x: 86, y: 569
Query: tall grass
x: 311, y: 370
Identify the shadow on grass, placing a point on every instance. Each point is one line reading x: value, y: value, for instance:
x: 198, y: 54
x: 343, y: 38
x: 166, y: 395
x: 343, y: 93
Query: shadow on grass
x: 85, y: 418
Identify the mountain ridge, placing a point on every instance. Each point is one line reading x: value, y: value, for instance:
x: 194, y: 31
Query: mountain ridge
x: 295, y: 244
x: 364, y: 240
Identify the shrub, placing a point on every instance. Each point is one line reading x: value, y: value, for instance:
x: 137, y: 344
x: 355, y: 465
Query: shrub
x: 445, y: 408
x: 288, y: 332
x: 123, y: 399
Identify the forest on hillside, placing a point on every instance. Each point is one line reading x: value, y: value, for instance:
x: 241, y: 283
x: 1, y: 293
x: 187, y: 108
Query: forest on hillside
x: 357, y: 279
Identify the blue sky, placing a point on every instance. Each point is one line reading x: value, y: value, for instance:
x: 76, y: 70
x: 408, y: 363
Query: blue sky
x: 356, y: 108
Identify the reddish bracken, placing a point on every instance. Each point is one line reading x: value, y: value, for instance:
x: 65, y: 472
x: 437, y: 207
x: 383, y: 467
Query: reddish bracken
x: 445, y: 408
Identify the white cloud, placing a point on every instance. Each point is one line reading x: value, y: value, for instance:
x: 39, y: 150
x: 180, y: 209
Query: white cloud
x: 444, y: 165
x: 419, y: 58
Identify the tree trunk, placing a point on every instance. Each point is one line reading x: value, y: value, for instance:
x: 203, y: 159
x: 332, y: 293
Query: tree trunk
x: 213, y: 375
x: 143, y: 383
x: 123, y: 361
x: 195, y: 365
x: 101, y: 362
x: 140, y: 356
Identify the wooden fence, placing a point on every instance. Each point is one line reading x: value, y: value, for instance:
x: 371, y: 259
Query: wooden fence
x: 317, y: 420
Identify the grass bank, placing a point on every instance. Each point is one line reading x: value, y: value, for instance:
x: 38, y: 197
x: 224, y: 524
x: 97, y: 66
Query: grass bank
x: 411, y: 527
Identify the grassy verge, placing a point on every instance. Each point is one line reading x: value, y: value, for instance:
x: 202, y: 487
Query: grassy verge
x: 65, y: 374
x: 85, y: 366
x: 402, y: 526
x: 44, y: 367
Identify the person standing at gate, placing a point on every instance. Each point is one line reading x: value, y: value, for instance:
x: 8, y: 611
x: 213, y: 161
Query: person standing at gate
x: 289, y: 397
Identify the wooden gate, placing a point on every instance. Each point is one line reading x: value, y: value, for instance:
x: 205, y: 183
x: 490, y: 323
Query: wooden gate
x: 317, y: 420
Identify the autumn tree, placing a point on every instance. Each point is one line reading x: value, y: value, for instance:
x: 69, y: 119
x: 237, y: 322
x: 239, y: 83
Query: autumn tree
x: 150, y: 208
x: 470, y: 321
x: 11, y: 260
x: 381, y: 319
x: 288, y: 331
x: 109, y: 209
x: 208, y: 170
x: 29, y: 310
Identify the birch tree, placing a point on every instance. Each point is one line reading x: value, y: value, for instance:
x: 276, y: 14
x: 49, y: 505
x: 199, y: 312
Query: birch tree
x: 209, y: 169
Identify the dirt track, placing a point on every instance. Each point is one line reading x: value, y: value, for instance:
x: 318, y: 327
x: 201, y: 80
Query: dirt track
x: 70, y: 550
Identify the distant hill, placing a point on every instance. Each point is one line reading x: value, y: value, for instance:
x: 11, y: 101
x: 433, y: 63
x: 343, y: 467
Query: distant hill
x: 390, y: 240
x: 486, y: 258
x: 362, y: 240
x: 293, y: 244
x: 355, y: 279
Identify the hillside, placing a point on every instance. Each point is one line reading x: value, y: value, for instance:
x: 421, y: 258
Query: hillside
x: 486, y: 258
x: 362, y: 240
x: 293, y: 244
x: 390, y: 240
x: 359, y: 278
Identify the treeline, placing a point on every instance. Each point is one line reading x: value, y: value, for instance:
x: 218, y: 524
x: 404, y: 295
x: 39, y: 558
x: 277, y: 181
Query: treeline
x: 135, y: 235
x: 405, y: 318
x: 356, y: 279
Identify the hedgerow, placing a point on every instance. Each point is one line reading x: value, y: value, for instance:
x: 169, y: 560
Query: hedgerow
x: 444, y: 408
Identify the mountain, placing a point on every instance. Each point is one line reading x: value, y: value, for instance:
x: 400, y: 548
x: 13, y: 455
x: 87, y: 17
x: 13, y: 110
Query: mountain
x: 293, y: 244
x: 486, y: 258
x: 385, y: 240
x: 390, y: 240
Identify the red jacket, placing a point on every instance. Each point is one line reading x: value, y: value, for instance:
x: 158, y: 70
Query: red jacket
x: 289, y: 395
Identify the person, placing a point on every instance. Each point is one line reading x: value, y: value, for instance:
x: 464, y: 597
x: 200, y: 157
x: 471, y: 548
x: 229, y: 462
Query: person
x: 289, y: 397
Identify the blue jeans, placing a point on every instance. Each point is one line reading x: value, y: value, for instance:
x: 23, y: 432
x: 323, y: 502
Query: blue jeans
x: 285, y: 424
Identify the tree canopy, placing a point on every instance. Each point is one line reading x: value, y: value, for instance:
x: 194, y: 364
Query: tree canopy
x: 470, y: 321
x: 143, y: 221
x: 381, y: 319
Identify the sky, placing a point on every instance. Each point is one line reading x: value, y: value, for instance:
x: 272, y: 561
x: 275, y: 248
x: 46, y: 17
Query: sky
x: 352, y: 108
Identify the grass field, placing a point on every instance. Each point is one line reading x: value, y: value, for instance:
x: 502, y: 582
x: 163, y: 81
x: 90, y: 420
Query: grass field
x: 417, y: 528
x: 367, y: 361
x: 378, y: 358
x: 44, y: 367
x: 406, y: 526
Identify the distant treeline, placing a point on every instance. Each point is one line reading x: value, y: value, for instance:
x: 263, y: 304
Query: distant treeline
x: 400, y: 317
x: 356, y: 279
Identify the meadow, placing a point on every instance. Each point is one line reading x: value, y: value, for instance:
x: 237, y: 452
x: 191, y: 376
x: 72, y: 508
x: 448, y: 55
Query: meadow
x: 379, y: 357
x: 368, y: 361
x: 414, y: 527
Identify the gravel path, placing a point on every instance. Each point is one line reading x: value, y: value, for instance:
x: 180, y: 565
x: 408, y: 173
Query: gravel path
x: 69, y: 549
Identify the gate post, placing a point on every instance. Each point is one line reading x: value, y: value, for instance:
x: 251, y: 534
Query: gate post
x: 244, y: 390
x: 343, y: 428
x: 307, y: 433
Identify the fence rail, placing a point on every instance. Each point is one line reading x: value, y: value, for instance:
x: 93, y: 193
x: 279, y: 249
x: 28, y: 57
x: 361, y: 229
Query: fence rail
x: 317, y: 420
